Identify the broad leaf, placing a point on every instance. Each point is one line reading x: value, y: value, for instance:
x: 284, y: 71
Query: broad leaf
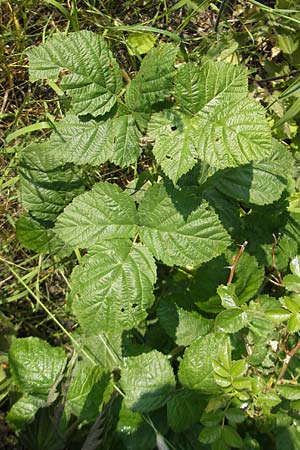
x: 258, y: 183
x: 147, y: 390
x: 214, y: 120
x: 177, y: 231
x: 24, y: 410
x: 97, y: 141
x: 154, y: 79
x: 105, y: 212
x: 183, y: 326
x: 114, y: 285
x: 88, y: 389
x: 196, y: 370
x: 35, y: 365
x: 93, y: 77
x: 46, y: 186
x: 39, y: 236
x: 184, y: 409
x: 214, y: 83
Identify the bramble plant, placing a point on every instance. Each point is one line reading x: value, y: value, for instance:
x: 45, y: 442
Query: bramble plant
x: 186, y: 291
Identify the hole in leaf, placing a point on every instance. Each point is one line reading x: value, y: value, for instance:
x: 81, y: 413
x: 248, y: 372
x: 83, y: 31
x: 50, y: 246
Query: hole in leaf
x: 173, y: 128
x: 168, y: 157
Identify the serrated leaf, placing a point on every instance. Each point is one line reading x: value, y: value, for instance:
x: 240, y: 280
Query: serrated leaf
x: 289, y: 391
x: 105, y: 212
x: 210, y: 435
x: 140, y: 43
x: 293, y: 323
x: 195, y: 89
x: 183, y: 326
x: 231, y: 320
x: 24, y: 410
x: 96, y: 141
x: 114, y: 285
x: 39, y: 236
x: 196, y: 370
x: 46, y: 186
x: 260, y: 182
x: 35, y: 365
x: 154, y: 79
x: 214, y: 121
x: 184, y: 409
x: 177, y: 231
x: 87, y: 391
x: 93, y: 77
x: 147, y: 390
x: 292, y: 283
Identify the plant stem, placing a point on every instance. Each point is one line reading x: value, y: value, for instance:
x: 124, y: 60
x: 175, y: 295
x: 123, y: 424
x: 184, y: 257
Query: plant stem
x: 235, y: 261
x: 287, y: 360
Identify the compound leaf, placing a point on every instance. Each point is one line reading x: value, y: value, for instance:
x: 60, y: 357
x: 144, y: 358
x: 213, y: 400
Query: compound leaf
x: 104, y: 212
x: 114, y: 285
x: 177, y: 231
x: 147, y: 390
x: 93, y: 77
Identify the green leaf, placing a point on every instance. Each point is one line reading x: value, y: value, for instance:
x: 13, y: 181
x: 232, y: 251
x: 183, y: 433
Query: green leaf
x: 231, y: 320
x: 140, y: 43
x: 35, y: 365
x: 292, y: 283
x: 97, y: 141
x: 249, y: 277
x: 235, y: 415
x: 214, y: 120
x: 39, y: 236
x: 238, y: 368
x: 215, y: 82
x: 177, y: 231
x: 154, y: 79
x: 295, y: 266
x: 147, y: 390
x: 289, y: 391
x: 88, y: 389
x: 231, y: 437
x: 104, y: 348
x: 277, y: 315
x: 260, y: 182
x: 46, y: 186
x: 228, y: 296
x: 183, y: 326
x: 293, y: 323
x: 184, y: 409
x: 210, y: 434
x: 196, y: 370
x: 114, y: 285
x: 24, y: 410
x: 93, y: 77
x: 105, y: 212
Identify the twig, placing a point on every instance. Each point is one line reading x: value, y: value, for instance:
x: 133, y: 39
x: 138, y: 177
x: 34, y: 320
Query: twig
x: 279, y: 278
x: 287, y: 360
x: 235, y: 260
x: 221, y: 9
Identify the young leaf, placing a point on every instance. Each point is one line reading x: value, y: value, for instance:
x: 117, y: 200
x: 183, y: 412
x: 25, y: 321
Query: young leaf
x: 196, y: 370
x: 147, y: 390
x: 231, y: 320
x: 105, y: 212
x: 177, y: 231
x: 35, y: 365
x: 24, y: 410
x: 114, y: 285
x: 93, y: 77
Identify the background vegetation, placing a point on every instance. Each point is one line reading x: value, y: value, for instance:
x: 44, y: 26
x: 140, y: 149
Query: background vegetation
x: 264, y: 36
